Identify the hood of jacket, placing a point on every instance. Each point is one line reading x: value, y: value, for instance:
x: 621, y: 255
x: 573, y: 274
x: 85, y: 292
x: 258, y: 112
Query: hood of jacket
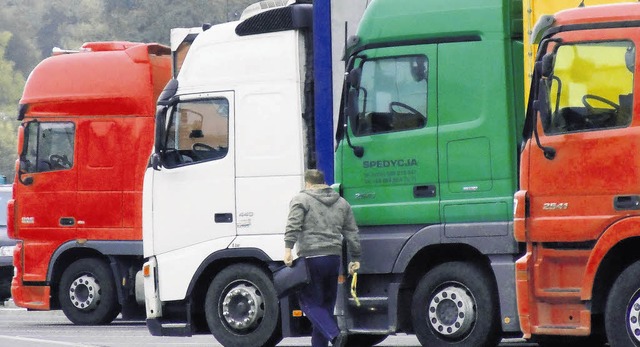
x: 323, y: 193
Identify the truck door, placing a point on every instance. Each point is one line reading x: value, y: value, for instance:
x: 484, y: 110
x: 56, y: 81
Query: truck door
x: 194, y: 191
x: 587, y: 119
x: 46, y: 194
x: 393, y: 118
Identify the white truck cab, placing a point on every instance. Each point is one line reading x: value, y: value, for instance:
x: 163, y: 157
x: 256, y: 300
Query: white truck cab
x: 234, y: 134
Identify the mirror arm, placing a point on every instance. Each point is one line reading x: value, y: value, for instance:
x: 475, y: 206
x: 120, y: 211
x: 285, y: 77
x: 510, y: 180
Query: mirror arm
x: 27, y: 181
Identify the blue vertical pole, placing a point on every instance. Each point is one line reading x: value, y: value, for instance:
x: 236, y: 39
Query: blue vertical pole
x: 323, y: 95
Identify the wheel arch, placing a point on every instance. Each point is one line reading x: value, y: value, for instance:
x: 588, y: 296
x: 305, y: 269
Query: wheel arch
x: 610, y: 255
x: 217, y: 261
x: 430, y: 256
x: 72, y: 251
x: 616, y: 260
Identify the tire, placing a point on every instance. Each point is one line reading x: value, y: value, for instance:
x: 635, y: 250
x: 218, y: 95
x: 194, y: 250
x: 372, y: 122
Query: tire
x: 6, y: 275
x: 87, y: 293
x: 364, y: 340
x: 622, y: 313
x: 455, y: 304
x: 242, y: 307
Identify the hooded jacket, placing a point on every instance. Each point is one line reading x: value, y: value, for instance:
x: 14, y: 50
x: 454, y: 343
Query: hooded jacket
x: 318, y: 220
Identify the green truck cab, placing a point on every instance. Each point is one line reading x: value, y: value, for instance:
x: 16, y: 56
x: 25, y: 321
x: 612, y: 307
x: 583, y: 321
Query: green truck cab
x: 427, y: 155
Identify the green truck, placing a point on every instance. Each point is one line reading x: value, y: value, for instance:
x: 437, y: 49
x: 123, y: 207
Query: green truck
x: 427, y: 155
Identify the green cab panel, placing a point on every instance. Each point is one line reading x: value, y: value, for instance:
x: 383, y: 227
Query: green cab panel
x: 434, y: 100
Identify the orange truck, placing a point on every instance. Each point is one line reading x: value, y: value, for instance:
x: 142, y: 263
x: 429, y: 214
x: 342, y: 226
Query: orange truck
x: 578, y: 207
x: 86, y: 135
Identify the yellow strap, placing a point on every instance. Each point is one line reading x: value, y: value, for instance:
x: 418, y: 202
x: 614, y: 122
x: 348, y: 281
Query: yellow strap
x: 354, y: 283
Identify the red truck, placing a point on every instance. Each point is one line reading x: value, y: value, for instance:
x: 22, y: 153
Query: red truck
x: 86, y: 135
x: 578, y: 210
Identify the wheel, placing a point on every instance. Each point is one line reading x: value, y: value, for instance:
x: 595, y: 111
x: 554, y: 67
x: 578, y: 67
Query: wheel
x: 364, y: 340
x: 242, y: 308
x: 622, y: 313
x: 455, y: 304
x: 6, y: 275
x: 87, y: 293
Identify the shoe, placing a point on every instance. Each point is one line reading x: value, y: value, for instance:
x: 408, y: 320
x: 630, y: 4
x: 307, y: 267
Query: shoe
x: 340, y: 340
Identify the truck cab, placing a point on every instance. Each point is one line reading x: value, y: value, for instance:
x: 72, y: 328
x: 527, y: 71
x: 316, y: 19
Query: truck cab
x: 234, y: 135
x: 577, y: 208
x: 86, y: 134
x: 427, y: 157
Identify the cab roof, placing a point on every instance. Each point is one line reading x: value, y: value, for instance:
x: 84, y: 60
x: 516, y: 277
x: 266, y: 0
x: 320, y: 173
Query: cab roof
x: 101, y: 78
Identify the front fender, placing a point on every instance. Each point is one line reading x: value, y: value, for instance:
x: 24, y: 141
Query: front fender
x: 621, y: 230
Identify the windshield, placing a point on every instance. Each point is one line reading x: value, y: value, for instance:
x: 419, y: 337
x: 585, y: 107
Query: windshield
x: 49, y: 147
x: 198, y: 131
x: 591, y: 86
x: 391, y: 95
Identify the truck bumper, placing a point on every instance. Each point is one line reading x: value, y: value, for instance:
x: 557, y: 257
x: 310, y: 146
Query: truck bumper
x: 31, y: 297
x: 153, y: 304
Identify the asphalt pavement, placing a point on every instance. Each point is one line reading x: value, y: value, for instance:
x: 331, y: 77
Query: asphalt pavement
x: 22, y: 328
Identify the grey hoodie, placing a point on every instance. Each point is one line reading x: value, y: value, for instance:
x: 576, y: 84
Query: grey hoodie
x: 318, y: 219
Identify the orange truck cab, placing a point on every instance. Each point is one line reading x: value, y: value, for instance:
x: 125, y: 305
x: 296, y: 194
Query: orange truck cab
x: 578, y: 210
x: 86, y: 135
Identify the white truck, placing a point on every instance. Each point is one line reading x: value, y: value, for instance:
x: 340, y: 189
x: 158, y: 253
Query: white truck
x: 234, y: 134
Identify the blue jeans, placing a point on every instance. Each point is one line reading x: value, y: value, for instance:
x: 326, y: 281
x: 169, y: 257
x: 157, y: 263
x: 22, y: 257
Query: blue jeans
x: 318, y: 299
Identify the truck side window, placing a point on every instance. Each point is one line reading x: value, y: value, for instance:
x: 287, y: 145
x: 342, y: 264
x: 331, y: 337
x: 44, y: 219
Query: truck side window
x: 391, y: 95
x: 198, y: 131
x: 49, y: 147
x: 591, y: 87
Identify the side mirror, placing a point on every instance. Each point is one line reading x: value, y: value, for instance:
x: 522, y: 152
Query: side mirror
x: 546, y: 68
x: 352, y: 106
x: 27, y: 181
x: 354, y: 77
x: 155, y: 161
x: 21, y: 142
x: 542, y: 104
x: 161, y: 115
x: 168, y: 92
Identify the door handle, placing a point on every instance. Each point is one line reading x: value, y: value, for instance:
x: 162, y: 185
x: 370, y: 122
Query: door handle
x: 223, y: 217
x: 67, y: 221
x: 627, y: 202
x: 427, y: 191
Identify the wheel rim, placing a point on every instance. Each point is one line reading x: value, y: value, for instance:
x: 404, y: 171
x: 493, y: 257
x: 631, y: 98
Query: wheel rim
x: 242, y: 306
x: 633, y: 317
x: 452, y: 311
x: 84, y: 292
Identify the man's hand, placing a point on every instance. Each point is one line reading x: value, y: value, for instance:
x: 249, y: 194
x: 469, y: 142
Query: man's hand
x: 353, y: 267
x: 288, y: 258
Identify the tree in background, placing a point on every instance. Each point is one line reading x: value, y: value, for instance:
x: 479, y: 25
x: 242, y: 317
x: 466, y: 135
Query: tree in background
x: 30, y: 29
x: 11, y: 84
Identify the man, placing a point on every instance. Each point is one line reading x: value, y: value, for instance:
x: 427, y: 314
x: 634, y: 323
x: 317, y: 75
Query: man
x: 318, y: 220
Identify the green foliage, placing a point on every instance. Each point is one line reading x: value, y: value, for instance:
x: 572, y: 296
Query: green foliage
x: 8, y: 148
x: 11, y: 84
x: 30, y: 29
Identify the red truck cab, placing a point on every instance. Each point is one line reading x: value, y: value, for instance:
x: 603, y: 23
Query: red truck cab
x: 579, y: 204
x: 85, y: 139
